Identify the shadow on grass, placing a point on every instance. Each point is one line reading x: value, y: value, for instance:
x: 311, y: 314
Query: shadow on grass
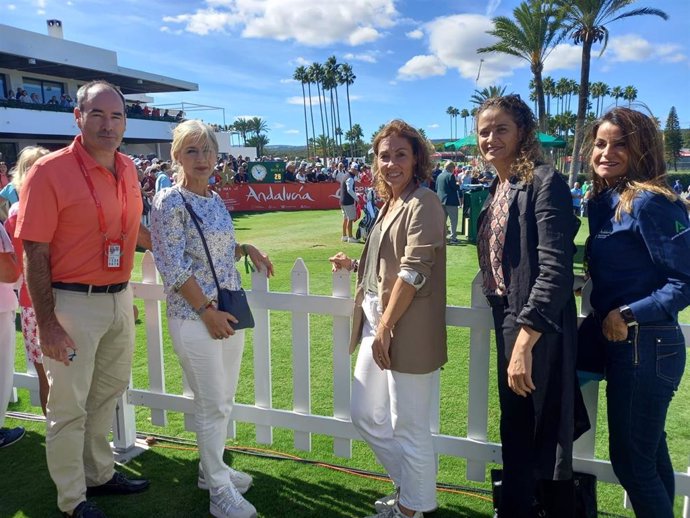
x: 281, y: 488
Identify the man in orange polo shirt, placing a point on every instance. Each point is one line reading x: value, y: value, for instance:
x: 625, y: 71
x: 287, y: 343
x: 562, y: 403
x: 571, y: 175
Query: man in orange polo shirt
x: 80, y: 223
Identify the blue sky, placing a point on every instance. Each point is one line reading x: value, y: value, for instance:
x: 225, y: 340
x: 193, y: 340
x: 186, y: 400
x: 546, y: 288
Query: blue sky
x: 412, y: 59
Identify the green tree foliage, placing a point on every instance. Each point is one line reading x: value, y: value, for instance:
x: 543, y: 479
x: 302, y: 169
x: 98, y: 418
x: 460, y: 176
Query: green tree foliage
x: 673, y: 138
x: 586, y: 22
x: 533, y: 33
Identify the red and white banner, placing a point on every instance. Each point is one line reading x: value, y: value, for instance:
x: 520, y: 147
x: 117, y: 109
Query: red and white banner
x: 280, y: 196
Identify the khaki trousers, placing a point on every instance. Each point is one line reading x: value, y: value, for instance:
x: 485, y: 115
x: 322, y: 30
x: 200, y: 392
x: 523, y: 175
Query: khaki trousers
x: 82, y: 396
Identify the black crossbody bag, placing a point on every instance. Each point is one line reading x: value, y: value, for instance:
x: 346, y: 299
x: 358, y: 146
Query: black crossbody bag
x: 231, y: 301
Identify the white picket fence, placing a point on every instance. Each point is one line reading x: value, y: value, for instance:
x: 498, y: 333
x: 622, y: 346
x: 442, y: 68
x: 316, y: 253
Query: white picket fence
x: 301, y: 304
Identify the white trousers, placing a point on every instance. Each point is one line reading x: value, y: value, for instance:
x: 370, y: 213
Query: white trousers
x: 391, y: 410
x: 212, y: 368
x: 7, y: 348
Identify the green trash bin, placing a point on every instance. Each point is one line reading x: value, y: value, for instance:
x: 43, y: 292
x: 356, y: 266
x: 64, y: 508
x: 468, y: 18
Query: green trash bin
x: 472, y: 203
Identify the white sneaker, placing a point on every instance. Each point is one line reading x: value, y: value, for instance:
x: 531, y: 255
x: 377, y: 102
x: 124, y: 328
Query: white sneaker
x: 227, y: 502
x: 240, y: 480
x: 395, y: 512
x: 344, y: 239
x: 352, y: 240
x: 386, y: 502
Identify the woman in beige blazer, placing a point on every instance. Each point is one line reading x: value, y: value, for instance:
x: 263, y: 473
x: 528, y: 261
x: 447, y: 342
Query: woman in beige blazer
x: 399, y: 319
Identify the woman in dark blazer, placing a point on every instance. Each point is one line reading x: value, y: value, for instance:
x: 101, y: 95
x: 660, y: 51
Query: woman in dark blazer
x: 399, y: 321
x: 525, y: 235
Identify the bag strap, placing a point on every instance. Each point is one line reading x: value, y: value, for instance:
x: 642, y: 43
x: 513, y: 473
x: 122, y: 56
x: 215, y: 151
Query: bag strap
x: 196, y: 219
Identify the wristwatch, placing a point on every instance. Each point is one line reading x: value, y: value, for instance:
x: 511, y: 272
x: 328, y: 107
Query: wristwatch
x: 210, y: 303
x: 628, y: 316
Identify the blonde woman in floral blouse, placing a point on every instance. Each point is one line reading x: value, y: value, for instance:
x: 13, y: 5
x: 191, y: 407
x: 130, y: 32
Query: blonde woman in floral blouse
x: 209, y: 349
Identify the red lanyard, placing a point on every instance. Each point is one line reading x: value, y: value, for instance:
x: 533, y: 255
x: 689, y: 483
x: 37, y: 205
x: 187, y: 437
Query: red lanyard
x: 99, y: 207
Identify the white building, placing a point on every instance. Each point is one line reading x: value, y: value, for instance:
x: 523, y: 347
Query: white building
x: 48, y: 66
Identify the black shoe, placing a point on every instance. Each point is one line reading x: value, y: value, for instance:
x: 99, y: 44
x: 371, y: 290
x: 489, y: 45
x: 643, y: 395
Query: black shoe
x: 86, y: 510
x: 10, y: 435
x: 118, y: 485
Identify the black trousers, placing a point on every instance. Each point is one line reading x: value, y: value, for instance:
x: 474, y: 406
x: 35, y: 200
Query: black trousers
x: 527, y: 442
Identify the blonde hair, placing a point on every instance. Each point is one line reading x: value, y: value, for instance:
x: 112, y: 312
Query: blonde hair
x: 449, y: 165
x: 646, y: 166
x: 191, y: 131
x: 27, y: 157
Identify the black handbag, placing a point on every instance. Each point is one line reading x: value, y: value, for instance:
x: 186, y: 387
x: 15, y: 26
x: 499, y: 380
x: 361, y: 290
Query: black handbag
x: 591, y: 350
x: 575, y: 498
x: 231, y: 301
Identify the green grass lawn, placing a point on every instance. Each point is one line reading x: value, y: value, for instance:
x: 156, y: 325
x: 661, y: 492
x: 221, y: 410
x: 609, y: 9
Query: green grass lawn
x: 287, y: 488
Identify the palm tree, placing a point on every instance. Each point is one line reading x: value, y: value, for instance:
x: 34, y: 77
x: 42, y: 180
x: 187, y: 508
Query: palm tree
x: 549, y: 90
x: 259, y: 142
x: 333, y: 65
x: 599, y: 90
x: 450, y: 111
x: 574, y: 90
x: 241, y: 125
x: 315, y: 75
x: 464, y: 114
x: 354, y: 137
x: 617, y: 93
x: 585, y: 21
x: 258, y: 125
x: 630, y: 94
x: 301, y: 76
x: 532, y: 36
x: 562, y: 92
x: 479, y: 96
x: 347, y: 77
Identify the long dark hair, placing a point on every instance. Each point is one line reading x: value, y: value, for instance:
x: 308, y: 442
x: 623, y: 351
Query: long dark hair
x: 646, y: 165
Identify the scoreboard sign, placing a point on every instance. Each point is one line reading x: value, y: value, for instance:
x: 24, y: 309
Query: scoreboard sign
x: 265, y: 172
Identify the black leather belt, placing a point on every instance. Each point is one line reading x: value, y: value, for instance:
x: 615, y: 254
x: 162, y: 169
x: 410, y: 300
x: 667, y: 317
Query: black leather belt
x: 90, y: 288
x: 497, y: 301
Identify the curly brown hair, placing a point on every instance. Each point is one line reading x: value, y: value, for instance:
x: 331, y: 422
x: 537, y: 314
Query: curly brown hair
x: 646, y: 166
x: 421, y: 149
x: 529, y: 152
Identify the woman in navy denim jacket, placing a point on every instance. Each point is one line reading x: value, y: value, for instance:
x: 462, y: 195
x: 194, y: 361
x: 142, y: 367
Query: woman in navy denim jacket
x: 638, y: 260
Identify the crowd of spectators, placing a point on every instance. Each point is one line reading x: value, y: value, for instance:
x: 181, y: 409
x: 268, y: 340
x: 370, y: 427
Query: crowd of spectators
x: 21, y: 96
x: 135, y: 109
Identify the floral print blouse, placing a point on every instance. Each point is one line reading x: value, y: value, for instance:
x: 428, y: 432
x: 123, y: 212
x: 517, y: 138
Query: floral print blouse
x: 178, y: 249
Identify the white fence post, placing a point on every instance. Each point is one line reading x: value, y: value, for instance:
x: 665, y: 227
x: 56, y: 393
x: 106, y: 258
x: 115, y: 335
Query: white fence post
x: 262, y: 353
x: 301, y: 354
x: 124, y: 424
x: 478, y: 406
x: 154, y: 334
x: 342, y: 368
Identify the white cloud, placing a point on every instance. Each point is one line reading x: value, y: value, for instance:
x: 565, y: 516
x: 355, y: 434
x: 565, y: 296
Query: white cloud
x: 433, y: 126
x: 288, y: 81
x: 11, y: 7
x: 420, y: 67
x: 300, y: 61
x: 564, y: 57
x: 367, y: 57
x: 416, y: 34
x: 634, y: 48
x: 454, y: 40
x: 305, y: 21
x: 278, y: 125
x: 291, y: 132
x: 297, y: 99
